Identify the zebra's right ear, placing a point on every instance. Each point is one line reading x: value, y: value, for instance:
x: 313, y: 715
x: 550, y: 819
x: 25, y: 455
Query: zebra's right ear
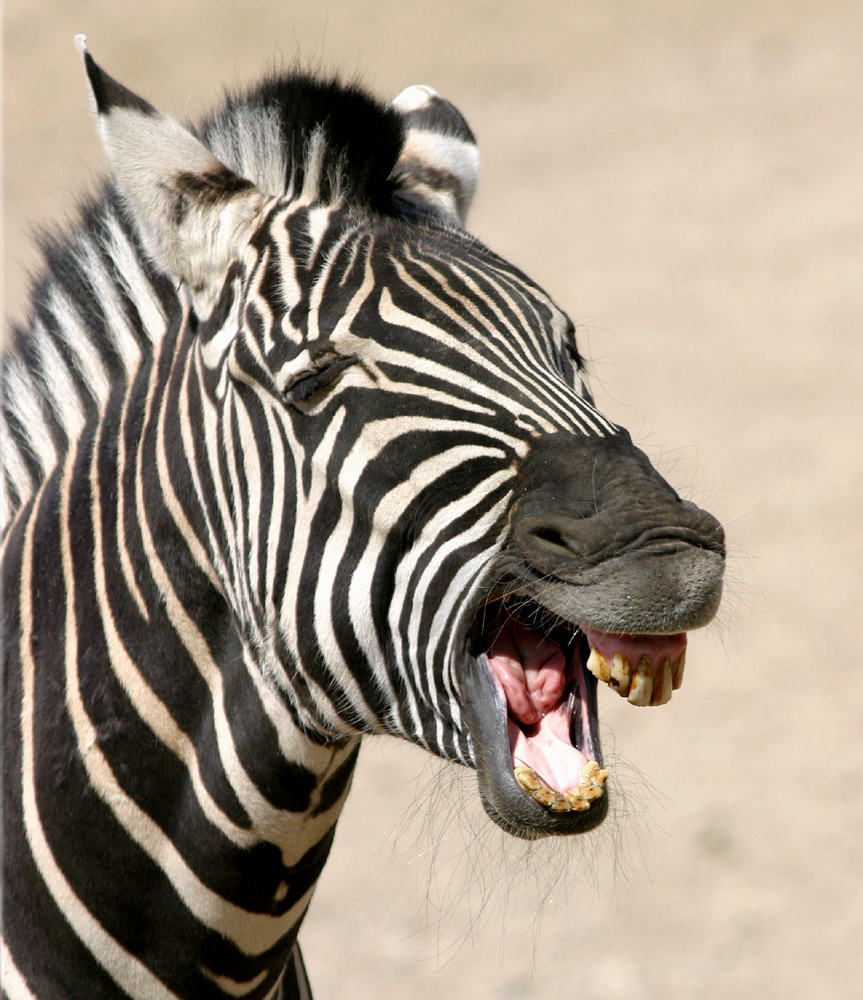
x: 437, y: 171
x: 194, y: 213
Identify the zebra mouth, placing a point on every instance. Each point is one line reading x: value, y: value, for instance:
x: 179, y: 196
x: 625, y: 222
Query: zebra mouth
x: 531, y: 708
x: 532, y: 713
x: 538, y: 663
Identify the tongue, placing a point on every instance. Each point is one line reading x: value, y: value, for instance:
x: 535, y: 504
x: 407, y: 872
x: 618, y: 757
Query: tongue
x: 546, y: 748
x: 530, y: 668
x: 532, y: 672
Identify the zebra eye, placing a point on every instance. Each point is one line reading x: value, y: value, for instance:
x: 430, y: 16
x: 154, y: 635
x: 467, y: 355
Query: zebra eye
x: 323, y: 369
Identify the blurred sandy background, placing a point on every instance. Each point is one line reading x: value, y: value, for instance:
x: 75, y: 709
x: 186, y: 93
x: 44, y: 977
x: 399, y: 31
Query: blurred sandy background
x: 687, y: 180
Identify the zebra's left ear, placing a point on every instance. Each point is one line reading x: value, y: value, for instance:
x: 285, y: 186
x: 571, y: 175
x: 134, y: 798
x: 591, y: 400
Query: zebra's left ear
x: 437, y: 171
x: 193, y: 213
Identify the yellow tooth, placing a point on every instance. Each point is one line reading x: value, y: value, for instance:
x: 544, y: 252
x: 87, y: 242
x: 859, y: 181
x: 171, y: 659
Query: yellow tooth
x: 591, y: 792
x: 621, y: 669
x: 593, y: 774
x: 527, y: 778
x: 661, y: 683
x: 677, y: 670
x: 598, y: 665
x: 545, y: 796
x: 642, y: 683
x: 577, y: 799
x: 577, y: 802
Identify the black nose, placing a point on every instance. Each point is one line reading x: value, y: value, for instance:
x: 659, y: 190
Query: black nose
x: 593, y: 515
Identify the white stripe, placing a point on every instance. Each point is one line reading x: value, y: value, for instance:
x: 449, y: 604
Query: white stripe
x: 250, y: 475
x: 134, y: 279
x: 213, y: 444
x: 269, y: 821
x: 306, y: 507
x: 172, y: 501
x: 62, y: 391
x: 5, y: 500
x: 373, y: 438
x: 150, y: 708
x: 289, y: 284
x: 126, y: 567
x: 549, y: 394
x: 14, y: 466
x: 11, y: 980
x: 105, y: 290
x: 88, y: 360
x: 233, y: 987
x: 256, y: 267
x: 190, y: 455
x: 430, y: 540
x: 391, y: 313
x: 237, y: 526
x: 391, y: 505
x: 22, y: 400
x: 548, y: 391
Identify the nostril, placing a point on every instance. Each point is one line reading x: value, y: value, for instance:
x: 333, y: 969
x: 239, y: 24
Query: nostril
x: 551, y: 536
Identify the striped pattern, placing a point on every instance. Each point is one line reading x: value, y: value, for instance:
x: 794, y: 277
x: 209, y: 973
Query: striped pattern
x: 95, y: 312
x: 242, y: 543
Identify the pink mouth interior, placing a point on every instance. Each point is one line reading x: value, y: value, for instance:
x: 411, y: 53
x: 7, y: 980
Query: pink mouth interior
x: 531, y: 671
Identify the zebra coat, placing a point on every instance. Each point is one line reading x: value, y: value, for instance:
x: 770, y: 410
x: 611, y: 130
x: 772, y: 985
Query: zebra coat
x: 290, y: 459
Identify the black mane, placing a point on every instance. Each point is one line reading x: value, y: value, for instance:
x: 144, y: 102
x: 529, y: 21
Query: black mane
x: 362, y: 137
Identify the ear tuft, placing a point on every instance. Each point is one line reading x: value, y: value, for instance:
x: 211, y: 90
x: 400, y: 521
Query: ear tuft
x: 438, y: 169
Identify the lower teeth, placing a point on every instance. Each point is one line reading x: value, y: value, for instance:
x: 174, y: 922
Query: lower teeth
x: 591, y: 787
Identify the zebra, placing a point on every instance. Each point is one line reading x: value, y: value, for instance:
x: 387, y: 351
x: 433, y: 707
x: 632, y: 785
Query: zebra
x: 291, y: 459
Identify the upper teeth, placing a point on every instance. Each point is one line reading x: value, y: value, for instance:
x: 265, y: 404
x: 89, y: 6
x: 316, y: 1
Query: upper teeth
x: 648, y: 684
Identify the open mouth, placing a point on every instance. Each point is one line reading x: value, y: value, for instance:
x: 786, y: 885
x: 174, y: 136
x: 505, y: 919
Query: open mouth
x: 535, y: 663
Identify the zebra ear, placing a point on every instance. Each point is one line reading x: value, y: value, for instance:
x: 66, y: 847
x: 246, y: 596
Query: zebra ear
x: 193, y: 213
x: 438, y: 169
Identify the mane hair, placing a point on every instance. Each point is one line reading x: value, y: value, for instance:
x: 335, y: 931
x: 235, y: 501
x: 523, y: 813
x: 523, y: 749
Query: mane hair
x: 269, y: 135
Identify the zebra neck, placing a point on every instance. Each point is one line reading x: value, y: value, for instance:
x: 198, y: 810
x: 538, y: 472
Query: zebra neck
x: 184, y: 534
x: 171, y: 743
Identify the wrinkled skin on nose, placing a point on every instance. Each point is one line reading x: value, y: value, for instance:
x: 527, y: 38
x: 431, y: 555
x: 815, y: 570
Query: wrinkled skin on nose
x: 614, y: 546
x: 605, y: 570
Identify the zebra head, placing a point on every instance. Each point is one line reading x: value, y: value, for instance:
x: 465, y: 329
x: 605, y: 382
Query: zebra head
x: 422, y: 523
